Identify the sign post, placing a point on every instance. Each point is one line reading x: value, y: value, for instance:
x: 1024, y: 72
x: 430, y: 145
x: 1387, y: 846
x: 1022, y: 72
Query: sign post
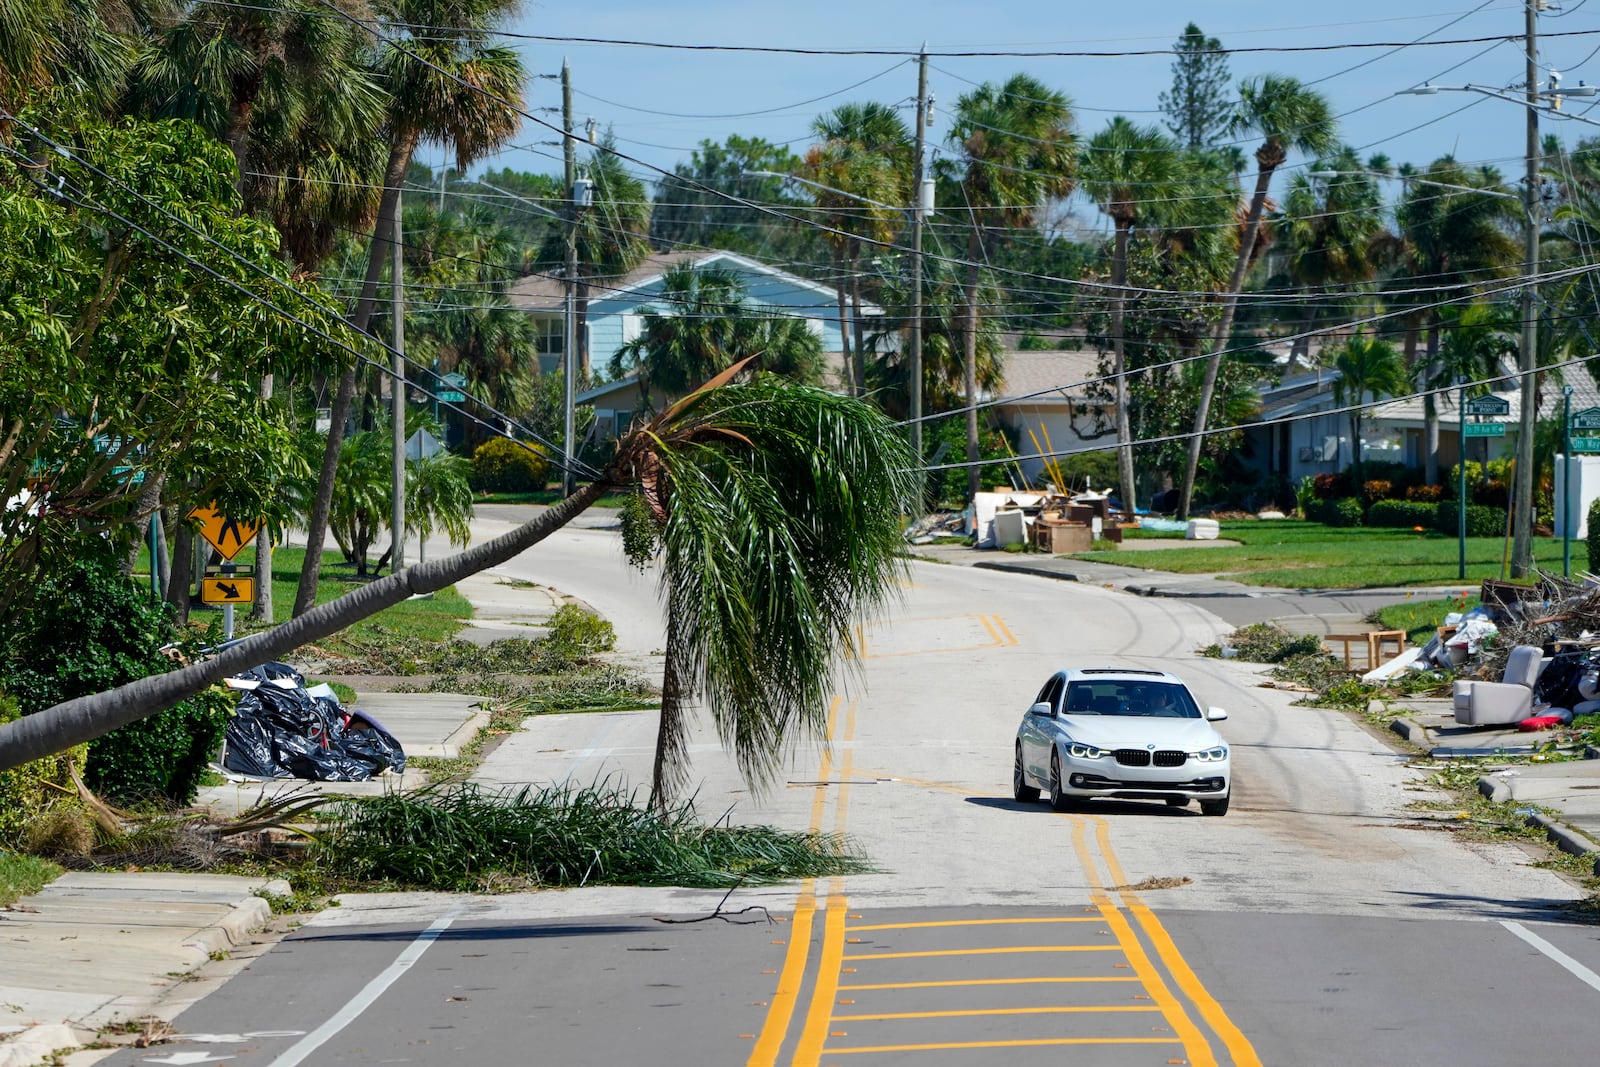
x: 1490, y: 405
x: 228, y: 536
x: 1586, y: 423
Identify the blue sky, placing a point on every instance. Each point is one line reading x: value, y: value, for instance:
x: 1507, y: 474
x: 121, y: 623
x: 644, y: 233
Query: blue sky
x: 621, y: 86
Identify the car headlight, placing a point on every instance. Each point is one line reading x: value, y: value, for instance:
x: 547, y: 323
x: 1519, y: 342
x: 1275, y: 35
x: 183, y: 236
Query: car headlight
x: 1078, y: 750
x: 1211, y: 755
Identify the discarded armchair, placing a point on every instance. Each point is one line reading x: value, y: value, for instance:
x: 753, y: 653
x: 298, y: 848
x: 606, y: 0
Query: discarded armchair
x: 1506, y: 701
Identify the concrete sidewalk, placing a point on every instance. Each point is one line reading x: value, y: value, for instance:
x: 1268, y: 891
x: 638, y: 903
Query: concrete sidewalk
x: 92, y: 949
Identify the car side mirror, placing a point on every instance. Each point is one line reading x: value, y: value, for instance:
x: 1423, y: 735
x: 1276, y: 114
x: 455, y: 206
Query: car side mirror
x: 1042, y: 709
x: 1215, y: 714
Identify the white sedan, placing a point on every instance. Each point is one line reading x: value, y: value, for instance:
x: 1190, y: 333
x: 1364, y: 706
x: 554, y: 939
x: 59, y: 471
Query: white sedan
x: 1110, y: 732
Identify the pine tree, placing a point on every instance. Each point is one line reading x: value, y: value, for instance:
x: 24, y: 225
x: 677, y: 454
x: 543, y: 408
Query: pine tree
x: 1198, y: 107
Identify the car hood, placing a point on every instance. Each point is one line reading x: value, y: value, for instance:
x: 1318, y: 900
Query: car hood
x: 1135, y: 731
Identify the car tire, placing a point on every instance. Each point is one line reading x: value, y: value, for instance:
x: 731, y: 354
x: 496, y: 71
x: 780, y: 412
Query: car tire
x: 1214, y: 807
x: 1177, y: 802
x: 1059, y: 801
x: 1021, y: 791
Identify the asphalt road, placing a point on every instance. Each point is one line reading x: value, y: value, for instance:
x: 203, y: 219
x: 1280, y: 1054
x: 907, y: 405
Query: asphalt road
x: 1325, y: 920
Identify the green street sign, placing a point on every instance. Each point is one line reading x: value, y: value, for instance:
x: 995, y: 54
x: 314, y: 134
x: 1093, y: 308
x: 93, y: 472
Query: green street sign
x: 1486, y: 429
x: 450, y: 396
x: 1488, y: 405
x: 1587, y: 419
x: 1586, y: 444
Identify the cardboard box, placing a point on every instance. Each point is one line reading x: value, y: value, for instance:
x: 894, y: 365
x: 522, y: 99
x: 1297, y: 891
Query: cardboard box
x: 1058, y: 538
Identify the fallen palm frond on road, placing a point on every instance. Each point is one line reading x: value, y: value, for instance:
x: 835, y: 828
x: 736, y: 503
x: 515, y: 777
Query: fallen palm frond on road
x: 466, y: 838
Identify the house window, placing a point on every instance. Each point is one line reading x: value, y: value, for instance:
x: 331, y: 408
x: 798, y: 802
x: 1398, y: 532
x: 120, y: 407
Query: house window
x: 549, y: 336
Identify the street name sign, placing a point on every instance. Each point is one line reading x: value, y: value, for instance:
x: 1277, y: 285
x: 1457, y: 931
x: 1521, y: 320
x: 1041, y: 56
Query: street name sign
x: 227, y: 535
x: 1488, y: 405
x: 452, y: 388
x: 1586, y: 444
x: 227, y: 589
x: 1486, y: 429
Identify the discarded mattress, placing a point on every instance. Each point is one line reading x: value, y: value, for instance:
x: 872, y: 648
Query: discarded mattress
x: 281, y: 729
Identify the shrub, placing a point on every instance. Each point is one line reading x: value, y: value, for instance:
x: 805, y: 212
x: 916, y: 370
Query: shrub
x: 1403, y: 513
x: 503, y: 466
x: 576, y: 634
x: 1305, y: 496
x: 94, y: 629
x: 1481, y: 521
x: 1376, y: 489
x: 1346, y: 511
x: 30, y: 791
x: 1494, y: 493
x: 1331, y: 486
x: 1430, y: 494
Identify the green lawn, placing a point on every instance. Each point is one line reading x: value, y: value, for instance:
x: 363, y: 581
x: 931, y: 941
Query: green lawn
x: 431, y: 620
x: 22, y: 876
x: 1420, y: 619
x: 1303, y: 555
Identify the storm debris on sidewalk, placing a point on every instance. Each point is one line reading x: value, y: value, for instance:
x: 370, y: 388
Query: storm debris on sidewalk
x: 281, y: 729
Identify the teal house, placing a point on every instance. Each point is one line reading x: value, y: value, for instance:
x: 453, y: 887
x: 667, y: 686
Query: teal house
x: 614, y: 318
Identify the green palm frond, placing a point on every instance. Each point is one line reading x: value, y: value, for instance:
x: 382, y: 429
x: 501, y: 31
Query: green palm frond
x: 783, y: 507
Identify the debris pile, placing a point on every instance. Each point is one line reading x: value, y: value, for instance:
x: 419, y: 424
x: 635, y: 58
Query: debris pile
x: 281, y: 729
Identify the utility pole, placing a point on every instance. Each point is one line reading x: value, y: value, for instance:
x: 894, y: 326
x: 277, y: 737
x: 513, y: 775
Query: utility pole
x: 914, y: 388
x: 1528, y: 358
x: 397, y: 513
x: 569, y: 344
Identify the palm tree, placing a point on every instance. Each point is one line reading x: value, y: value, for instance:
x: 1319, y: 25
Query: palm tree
x: 1123, y: 165
x: 1331, y: 230
x: 862, y: 170
x: 776, y: 526
x: 1287, y: 115
x: 447, y: 84
x: 1455, y: 228
x: 1014, y: 150
x: 1367, y: 367
x: 707, y: 325
x: 779, y: 510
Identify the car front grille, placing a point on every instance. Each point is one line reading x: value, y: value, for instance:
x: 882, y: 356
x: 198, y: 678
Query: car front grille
x: 1139, y: 757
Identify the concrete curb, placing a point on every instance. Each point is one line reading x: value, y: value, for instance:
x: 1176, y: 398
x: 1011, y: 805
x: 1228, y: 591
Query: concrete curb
x: 34, y: 1046
x: 1564, y: 837
x: 1023, y: 568
x: 1188, y: 594
x: 246, y: 918
x: 1410, y: 730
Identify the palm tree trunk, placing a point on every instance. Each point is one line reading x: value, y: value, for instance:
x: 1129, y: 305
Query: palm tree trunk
x: 382, y: 235
x: 580, y: 330
x: 844, y: 325
x: 969, y: 359
x: 181, y: 580
x: 1119, y: 278
x: 74, y: 722
x: 672, y: 749
x: 859, y: 384
x: 1219, y: 340
x: 262, y: 607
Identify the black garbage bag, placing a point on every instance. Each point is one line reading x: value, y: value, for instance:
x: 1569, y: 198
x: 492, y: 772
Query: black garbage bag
x: 285, y: 732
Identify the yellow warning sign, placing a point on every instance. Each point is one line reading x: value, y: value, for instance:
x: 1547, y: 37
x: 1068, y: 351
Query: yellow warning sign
x: 227, y: 535
x: 227, y: 590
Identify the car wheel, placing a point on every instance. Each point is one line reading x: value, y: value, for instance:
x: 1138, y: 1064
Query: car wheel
x: 1214, y: 807
x: 1177, y: 802
x: 1059, y: 801
x: 1021, y: 791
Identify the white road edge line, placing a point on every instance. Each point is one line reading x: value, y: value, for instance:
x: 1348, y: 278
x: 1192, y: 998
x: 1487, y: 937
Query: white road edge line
x: 369, y: 993
x: 1572, y: 966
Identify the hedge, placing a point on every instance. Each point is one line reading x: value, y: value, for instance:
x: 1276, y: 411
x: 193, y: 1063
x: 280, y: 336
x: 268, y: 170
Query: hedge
x: 1345, y: 511
x: 1482, y: 521
x: 1403, y: 513
x: 1593, y: 536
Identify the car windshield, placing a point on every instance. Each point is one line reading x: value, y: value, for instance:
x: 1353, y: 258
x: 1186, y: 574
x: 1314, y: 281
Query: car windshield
x: 1126, y: 697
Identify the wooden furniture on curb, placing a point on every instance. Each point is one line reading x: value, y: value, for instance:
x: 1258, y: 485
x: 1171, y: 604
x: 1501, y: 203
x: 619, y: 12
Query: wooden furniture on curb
x: 1375, y: 640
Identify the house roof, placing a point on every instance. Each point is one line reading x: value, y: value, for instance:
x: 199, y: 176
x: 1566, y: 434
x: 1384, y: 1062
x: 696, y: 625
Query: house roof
x: 1048, y: 377
x: 545, y: 292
